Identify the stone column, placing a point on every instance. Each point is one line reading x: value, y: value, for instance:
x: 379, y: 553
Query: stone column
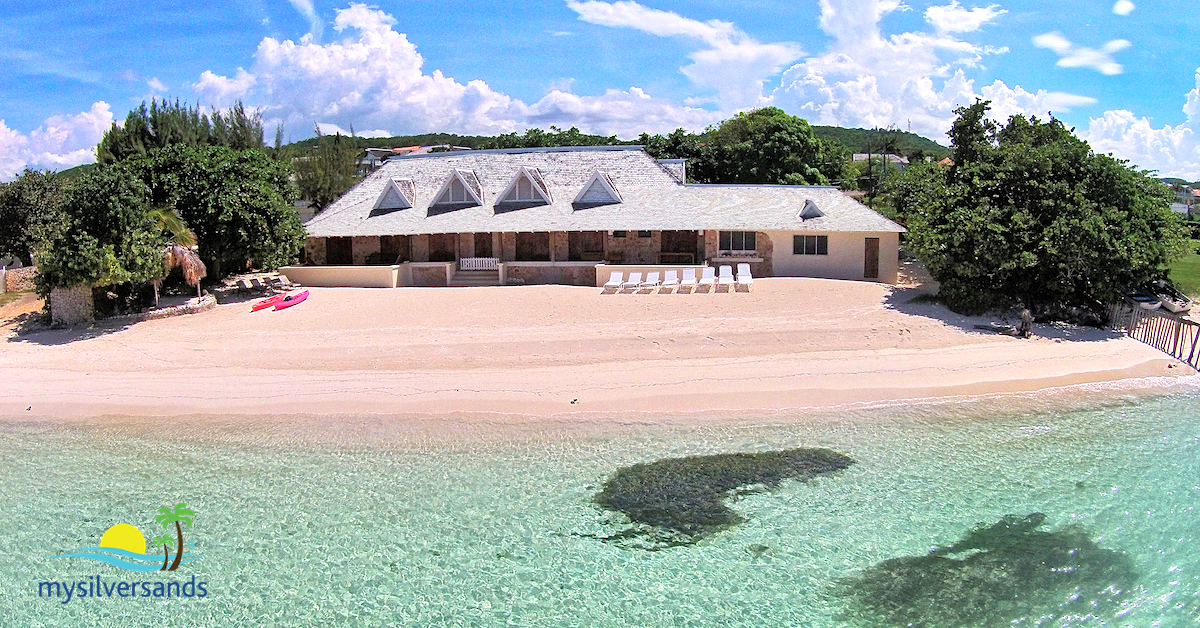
x: 72, y: 306
x: 362, y: 247
x: 712, y: 244
x: 420, y: 247
x: 466, y: 245
x: 560, y: 246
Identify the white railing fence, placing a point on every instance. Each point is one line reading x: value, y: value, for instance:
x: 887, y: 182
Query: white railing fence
x: 479, y: 263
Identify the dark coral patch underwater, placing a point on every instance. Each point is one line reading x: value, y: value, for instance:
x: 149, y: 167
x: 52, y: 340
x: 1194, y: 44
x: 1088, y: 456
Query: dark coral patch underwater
x: 679, y: 501
x: 1012, y: 574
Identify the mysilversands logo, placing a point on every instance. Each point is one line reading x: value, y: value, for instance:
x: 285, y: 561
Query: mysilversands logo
x: 124, y: 547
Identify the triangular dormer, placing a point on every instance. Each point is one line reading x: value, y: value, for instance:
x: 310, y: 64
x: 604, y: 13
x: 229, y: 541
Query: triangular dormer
x: 810, y: 210
x: 527, y: 188
x: 599, y: 191
x: 461, y: 189
x: 397, y: 194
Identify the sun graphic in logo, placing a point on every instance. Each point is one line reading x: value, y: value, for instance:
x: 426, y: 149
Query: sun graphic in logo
x: 124, y: 546
x: 124, y: 537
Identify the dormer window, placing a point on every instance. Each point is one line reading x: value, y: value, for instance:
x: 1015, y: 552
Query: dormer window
x: 528, y: 187
x: 810, y: 210
x: 397, y: 194
x: 598, y: 191
x: 462, y: 188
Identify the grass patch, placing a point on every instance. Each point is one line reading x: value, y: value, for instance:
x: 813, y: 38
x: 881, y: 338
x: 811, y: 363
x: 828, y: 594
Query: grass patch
x: 1185, y: 272
x: 9, y: 297
x: 679, y: 501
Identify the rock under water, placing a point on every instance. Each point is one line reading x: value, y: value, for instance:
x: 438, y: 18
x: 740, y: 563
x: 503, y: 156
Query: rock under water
x: 679, y: 501
x: 1011, y: 573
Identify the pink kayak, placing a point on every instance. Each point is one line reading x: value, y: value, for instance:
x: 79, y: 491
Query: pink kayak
x: 266, y: 303
x: 291, y: 300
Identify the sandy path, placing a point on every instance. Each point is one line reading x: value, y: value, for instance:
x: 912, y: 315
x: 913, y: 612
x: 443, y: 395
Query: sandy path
x: 793, y: 343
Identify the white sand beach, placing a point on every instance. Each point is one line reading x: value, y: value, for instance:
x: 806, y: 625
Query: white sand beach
x: 551, y: 351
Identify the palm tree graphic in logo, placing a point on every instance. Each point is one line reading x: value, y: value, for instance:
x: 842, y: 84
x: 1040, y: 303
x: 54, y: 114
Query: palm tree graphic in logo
x: 123, y: 545
x: 166, y: 517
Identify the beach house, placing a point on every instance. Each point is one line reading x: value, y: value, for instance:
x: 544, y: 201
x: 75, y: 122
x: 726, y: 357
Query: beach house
x: 571, y: 215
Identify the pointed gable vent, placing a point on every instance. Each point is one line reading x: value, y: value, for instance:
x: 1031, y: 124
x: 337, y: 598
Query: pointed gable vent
x: 462, y: 189
x: 528, y: 188
x: 397, y: 194
x: 810, y: 210
x: 598, y: 191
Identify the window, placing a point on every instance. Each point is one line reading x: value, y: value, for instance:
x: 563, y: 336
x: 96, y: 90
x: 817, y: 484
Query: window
x: 457, y: 192
x: 598, y: 191
x: 810, y: 245
x: 643, y: 234
x: 738, y: 241
x: 619, y: 234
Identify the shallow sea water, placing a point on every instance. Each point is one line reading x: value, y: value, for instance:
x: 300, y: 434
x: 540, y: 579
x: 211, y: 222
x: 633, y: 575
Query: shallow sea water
x: 498, y: 535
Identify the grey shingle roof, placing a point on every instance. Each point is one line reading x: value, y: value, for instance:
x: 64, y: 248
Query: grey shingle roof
x: 652, y: 198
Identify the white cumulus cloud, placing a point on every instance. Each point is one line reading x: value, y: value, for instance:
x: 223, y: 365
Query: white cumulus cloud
x: 1072, y: 56
x: 953, y: 18
x: 732, y: 64
x: 912, y: 80
x: 306, y: 9
x: 1124, y: 7
x: 62, y: 141
x: 1171, y: 150
x: 374, y: 78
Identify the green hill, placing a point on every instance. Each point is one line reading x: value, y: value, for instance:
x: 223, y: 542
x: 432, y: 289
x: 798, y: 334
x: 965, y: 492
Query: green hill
x: 857, y: 140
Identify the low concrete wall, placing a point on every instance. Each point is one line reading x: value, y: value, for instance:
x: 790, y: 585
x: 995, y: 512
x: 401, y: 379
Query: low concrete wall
x: 72, y: 306
x: 558, y: 273
x: 605, y: 271
x: 193, y: 306
x: 343, y: 276
x: 430, y: 274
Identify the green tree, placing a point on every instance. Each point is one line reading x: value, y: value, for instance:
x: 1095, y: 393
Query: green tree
x: 1028, y: 214
x: 105, y: 235
x: 28, y: 207
x: 177, y: 515
x: 760, y: 146
x: 165, y: 124
x: 165, y: 541
x: 325, y: 171
x: 240, y: 204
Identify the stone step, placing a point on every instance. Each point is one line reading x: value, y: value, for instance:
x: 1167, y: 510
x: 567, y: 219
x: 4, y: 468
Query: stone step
x: 464, y: 278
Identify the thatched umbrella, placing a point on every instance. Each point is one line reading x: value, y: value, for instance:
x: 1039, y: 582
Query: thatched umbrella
x: 188, y: 260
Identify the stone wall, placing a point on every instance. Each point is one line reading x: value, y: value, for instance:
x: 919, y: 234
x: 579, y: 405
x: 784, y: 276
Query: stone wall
x: 20, y: 279
x: 72, y: 306
x: 314, y: 251
x: 560, y: 246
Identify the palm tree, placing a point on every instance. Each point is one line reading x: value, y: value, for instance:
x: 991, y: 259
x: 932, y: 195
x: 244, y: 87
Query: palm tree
x: 165, y: 541
x: 169, y: 516
x: 180, y: 249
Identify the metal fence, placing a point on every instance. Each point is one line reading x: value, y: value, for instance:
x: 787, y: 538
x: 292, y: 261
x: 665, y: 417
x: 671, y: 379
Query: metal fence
x: 1174, y: 335
x: 479, y: 263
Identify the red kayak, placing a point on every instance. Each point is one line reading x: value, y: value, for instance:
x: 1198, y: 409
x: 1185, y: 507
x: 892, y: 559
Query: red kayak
x: 291, y: 300
x: 266, y: 303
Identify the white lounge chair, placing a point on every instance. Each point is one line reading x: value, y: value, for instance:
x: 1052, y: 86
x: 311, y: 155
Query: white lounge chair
x: 689, y: 280
x: 635, y: 280
x: 651, y: 282
x: 670, y: 282
x: 708, y: 279
x: 614, y: 281
x: 744, y: 278
x: 726, y: 277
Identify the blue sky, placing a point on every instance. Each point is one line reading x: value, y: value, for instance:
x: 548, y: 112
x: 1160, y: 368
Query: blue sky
x: 1125, y: 74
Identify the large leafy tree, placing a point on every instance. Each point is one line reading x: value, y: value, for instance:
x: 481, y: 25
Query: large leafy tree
x: 105, y: 235
x: 1029, y: 214
x: 27, y: 211
x: 761, y: 146
x: 240, y: 204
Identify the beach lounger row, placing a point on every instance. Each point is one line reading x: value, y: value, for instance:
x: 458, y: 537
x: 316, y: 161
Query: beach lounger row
x: 709, y: 281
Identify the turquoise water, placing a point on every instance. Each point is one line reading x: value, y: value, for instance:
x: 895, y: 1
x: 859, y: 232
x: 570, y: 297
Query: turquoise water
x: 505, y: 534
